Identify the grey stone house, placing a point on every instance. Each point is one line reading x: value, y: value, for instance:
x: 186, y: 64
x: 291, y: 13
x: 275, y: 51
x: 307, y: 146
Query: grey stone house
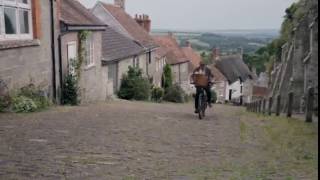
x: 177, y: 59
x: 115, y: 16
x: 74, y: 19
x: 118, y: 53
x: 28, y: 45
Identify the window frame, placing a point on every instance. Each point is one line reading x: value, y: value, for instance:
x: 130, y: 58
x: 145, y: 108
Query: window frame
x: 18, y: 7
x: 136, y: 62
x: 71, y: 69
x: 90, y: 57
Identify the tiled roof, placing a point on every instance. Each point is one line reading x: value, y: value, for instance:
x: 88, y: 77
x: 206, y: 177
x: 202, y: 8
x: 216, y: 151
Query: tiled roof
x: 193, y: 56
x: 130, y: 25
x: 233, y: 68
x: 260, y: 91
x: 161, y: 52
x: 116, y: 46
x: 175, y: 54
x: 74, y: 13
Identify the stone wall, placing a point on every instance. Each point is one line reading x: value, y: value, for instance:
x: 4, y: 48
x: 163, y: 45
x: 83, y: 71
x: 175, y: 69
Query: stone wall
x: 94, y: 79
x: 220, y: 89
x: 298, y: 68
x: 20, y: 66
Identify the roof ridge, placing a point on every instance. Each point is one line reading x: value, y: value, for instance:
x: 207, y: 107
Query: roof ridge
x: 81, y: 10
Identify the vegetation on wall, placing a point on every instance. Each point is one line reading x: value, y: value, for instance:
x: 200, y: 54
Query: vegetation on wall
x: 70, y: 89
x: 27, y: 99
x: 83, y: 36
x: 264, y: 58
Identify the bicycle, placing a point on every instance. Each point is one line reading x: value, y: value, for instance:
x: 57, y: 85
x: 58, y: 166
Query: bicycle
x: 202, y: 103
x: 201, y: 82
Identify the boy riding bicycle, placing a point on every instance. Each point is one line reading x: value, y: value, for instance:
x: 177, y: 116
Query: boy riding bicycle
x: 206, y: 72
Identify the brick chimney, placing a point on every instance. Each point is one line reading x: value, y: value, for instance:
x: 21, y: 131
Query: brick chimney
x: 215, y: 54
x: 144, y: 21
x: 120, y: 3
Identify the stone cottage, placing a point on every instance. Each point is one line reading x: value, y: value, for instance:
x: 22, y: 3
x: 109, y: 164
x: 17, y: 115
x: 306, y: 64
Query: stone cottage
x: 161, y: 61
x: 28, y: 35
x: 193, y: 56
x: 118, y: 53
x: 220, y: 84
x: 76, y: 19
x: 177, y: 59
x: 115, y: 16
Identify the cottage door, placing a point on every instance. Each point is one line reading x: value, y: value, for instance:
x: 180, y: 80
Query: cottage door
x: 72, y: 56
x: 112, y: 76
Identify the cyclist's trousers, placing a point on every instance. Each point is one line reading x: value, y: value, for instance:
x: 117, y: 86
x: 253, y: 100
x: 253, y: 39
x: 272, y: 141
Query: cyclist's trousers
x: 208, y: 91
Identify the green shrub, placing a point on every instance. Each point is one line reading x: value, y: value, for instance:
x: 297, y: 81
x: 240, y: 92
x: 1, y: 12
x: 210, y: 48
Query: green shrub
x: 175, y: 94
x: 167, y: 78
x: 22, y: 104
x: 134, y: 86
x: 70, y: 91
x: 157, y: 94
x: 5, y: 102
x: 37, y: 96
x: 214, y: 97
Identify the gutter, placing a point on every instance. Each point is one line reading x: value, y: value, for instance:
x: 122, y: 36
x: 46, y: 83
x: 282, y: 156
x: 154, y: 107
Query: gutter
x: 60, y: 63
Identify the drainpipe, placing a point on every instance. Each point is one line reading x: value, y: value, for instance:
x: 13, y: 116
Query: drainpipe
x: 60, y: 63
x: 54, y: 85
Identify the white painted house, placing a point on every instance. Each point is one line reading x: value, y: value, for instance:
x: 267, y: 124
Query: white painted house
x: 239, y: 77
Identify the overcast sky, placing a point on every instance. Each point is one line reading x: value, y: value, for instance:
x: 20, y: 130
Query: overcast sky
x: 208, y: 14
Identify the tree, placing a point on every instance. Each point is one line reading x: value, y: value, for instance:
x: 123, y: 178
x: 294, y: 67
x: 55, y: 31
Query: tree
x: 206, y: 57
x: 167, y: 78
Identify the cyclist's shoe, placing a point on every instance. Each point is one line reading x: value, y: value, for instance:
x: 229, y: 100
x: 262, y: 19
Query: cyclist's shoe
x: 210, y: 105
x: 196, y: 111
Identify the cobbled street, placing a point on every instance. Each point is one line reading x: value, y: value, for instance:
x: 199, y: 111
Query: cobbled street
x: 122, y: 141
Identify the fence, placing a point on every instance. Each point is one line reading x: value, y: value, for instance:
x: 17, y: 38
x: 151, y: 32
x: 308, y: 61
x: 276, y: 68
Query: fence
x: 264, y: 106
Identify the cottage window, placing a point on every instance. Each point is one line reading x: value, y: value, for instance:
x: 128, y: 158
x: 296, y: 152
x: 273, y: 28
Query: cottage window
x: 157, y: 66
x: 136, y: 62
x: 15, y: 20
x: 149, y: 57
x: 90, y: 50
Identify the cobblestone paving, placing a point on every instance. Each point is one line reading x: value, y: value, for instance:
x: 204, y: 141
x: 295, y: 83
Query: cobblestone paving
x: 109, y: 141
x: 121, y: 141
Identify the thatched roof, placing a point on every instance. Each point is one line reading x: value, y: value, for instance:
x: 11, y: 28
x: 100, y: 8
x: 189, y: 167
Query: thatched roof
x: 233, y: 68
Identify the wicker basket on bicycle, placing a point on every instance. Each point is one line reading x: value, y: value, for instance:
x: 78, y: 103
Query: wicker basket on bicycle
x: 200, y: 80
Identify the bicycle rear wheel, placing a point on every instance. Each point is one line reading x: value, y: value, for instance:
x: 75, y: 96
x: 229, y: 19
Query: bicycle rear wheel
x: 201, y: 108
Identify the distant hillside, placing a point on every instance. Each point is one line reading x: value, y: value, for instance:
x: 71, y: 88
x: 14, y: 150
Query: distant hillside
x: 226, y: 40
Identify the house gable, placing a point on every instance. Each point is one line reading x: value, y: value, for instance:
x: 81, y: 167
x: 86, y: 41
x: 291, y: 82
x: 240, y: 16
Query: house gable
x: 105, y: 16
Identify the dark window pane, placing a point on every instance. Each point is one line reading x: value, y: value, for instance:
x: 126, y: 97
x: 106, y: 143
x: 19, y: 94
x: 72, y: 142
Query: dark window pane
x: 24, y: 22
x: 10, y: 21
x: 23, y: 1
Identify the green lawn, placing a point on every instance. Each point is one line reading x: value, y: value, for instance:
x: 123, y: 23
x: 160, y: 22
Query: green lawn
x: 271, y: 148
